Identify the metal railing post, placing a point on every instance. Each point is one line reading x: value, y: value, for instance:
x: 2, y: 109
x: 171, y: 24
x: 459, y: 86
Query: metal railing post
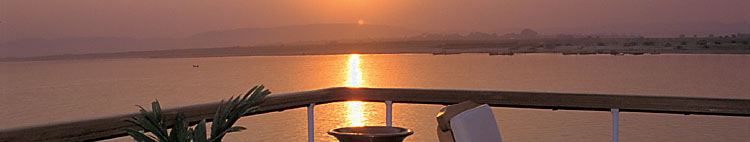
x: 615, y: 123
x: 388, y: 113
x: 310, y: 123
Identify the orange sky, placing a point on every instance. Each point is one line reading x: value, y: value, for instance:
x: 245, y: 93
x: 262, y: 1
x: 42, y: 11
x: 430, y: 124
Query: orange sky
x: 179, y: 18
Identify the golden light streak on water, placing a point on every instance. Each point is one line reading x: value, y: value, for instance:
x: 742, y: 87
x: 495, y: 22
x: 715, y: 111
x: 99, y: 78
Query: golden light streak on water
x: 354, y: 74
x: 354, y: 109
x: 354, y: 114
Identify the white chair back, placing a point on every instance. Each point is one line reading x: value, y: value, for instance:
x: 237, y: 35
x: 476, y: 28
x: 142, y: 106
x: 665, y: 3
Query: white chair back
x: 475, y: 125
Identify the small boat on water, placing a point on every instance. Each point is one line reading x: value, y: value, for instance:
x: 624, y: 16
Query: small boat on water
x: 195, y: 66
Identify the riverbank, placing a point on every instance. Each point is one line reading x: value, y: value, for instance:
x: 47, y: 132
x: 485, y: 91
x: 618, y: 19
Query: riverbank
x: 585, y: 46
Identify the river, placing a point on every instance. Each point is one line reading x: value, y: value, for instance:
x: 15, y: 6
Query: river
x: 34, y: 93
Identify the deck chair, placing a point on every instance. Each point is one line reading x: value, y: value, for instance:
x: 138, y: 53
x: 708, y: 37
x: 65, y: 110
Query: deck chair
x: 467, y: 122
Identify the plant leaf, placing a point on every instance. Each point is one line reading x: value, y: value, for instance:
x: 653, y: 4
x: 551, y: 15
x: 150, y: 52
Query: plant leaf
x: 217, y: 122
x: 179, y: 130
x: 227, y: 114
x: 156, y: 109
x: 146, y: 126
x: 138, y: 136
x: 199, y: 135
x: 149, y: 124
x: 221, y: 135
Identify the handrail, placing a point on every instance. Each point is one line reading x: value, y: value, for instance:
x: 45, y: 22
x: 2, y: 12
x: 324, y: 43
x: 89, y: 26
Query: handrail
x: 111, y: 127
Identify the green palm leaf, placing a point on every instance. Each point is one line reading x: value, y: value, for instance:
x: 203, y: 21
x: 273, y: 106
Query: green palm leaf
x: 138, y: 136
x: 227, y: 114
x: 199, y: 135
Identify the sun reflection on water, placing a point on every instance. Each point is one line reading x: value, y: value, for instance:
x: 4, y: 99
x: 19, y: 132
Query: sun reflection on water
x: 354, y: 75
x: 355, y: 116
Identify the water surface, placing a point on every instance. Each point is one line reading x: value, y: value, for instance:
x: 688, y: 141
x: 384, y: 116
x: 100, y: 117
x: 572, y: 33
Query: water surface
x: 36, y: 93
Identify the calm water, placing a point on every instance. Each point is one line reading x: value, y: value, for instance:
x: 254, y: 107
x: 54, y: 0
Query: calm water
x: 54, y: 91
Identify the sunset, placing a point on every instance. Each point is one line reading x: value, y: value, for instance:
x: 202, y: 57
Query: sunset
x: 373, y: 70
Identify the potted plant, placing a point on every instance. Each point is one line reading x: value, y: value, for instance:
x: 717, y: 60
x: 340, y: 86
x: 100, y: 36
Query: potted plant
x: 226, y: 116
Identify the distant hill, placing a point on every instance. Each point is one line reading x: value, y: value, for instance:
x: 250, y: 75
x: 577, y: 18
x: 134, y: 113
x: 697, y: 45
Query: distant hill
x: 315, y: 32
x: 222, y: 38
x: 84, y: 45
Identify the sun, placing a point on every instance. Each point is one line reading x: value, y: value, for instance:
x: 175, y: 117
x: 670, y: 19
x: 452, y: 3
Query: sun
x: 360, y: 22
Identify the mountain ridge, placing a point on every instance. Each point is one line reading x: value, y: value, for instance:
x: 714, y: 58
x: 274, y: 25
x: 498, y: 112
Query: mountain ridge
x: 209, y: 39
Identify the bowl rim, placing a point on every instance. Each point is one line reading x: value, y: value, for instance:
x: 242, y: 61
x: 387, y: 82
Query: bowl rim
x: 402, y: 132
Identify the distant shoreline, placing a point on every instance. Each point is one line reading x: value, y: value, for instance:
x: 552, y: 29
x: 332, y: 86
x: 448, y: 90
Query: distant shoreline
x: 584, y: 46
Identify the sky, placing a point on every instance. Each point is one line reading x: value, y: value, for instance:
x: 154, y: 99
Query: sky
x: 180, y: 18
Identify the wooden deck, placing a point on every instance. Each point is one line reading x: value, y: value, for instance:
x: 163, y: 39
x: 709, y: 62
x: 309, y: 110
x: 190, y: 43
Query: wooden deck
x: 111, y: 127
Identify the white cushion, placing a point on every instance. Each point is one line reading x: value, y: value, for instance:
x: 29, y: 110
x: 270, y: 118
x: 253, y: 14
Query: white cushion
x: 475, y: 125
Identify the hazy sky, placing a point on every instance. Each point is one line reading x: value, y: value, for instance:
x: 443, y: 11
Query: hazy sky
x: 179, y: 18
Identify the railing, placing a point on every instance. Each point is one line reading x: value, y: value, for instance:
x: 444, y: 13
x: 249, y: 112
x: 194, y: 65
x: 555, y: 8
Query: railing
x: 111, y: 127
